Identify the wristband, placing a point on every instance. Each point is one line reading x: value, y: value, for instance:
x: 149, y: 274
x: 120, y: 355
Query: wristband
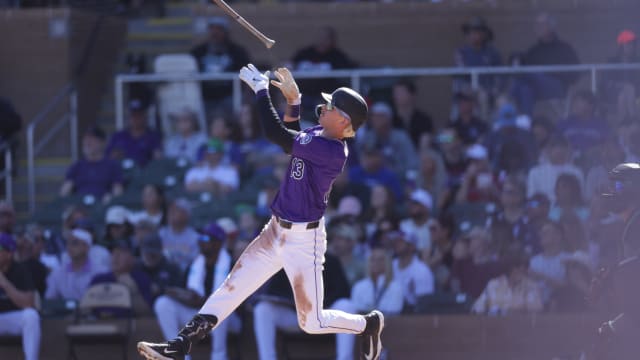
x: 293, y: 110
x: 297, y: 101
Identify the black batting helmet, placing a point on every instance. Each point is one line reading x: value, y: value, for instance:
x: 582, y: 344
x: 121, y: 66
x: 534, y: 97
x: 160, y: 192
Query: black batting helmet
x: 349, y: 101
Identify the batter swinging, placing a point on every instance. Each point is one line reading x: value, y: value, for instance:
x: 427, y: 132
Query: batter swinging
x: 295, y: 237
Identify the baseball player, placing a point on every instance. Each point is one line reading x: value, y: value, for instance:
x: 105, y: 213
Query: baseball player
x: 295, y: 237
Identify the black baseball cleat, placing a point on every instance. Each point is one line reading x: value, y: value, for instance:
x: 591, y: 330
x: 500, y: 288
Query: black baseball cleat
x: 171, y: 350
x: 371, y: 343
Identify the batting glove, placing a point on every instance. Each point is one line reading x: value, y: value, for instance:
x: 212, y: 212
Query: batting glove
x: 255, y: 79
x: 287, y: 85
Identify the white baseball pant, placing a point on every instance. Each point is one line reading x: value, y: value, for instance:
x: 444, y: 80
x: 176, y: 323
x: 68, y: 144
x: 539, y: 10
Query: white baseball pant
x: 300, y: 252
x: 25, y: 322
x: 269, y: 316
x: 172, y: 315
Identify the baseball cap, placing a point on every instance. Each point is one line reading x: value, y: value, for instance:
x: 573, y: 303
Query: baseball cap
x: 477, y: 152
x: 218, y: 21
x: 183, y: 204
x: 7, y: 242
x: 349, y: 101
x: 212, y: 232
x: 381, y: 108
x: 151, y: 244
x: 82, y: 235
x: 626, y: 36
x: 228, y: 225
x: 349, y: 205
x: 422, y: 197
x: 116, y: 215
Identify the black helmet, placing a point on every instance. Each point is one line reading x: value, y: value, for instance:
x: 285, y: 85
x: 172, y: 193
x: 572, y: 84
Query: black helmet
x: 624, y: 181
x: 349, y: 101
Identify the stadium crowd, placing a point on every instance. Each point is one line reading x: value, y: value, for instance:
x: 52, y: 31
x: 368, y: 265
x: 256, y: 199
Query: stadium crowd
x: 495, y: 211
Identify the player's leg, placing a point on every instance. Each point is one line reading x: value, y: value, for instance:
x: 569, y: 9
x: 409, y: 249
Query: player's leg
x: 26, y: 323
x: 257, y: 264
x: 344, y: 342
x: 267, y: 318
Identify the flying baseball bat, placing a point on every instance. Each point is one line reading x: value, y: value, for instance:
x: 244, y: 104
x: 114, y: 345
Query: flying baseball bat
x: 229, y: 10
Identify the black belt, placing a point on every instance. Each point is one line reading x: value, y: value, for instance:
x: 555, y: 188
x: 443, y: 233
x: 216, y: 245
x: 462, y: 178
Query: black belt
x: 288, y: 224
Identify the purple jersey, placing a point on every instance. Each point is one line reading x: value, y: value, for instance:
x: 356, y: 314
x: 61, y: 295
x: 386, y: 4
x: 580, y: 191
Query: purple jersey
x: 315, y: 163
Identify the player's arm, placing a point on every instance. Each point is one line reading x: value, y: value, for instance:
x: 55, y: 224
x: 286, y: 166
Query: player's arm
x: 22, y: 299
x: 290, y: 91
x: 273, y: 127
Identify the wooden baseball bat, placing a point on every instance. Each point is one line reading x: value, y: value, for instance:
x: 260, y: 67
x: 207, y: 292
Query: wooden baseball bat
x: 229, y: 10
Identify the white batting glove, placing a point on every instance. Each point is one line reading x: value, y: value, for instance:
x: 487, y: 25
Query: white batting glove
x: 254, y: 78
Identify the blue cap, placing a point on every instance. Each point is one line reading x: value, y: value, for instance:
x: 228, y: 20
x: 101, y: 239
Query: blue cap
x: 212, y: 232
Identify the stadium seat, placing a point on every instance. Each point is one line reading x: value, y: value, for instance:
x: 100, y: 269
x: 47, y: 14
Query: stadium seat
x: 177, y: 95
x: 104, y: 316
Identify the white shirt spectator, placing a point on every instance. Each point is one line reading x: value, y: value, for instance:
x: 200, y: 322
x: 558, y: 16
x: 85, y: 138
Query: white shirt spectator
x: 181, y: 248
x: 197, y: 272
x: 98, y: 255
x: 366, y: 296
x: 551, y: 267
x: 416, y: 279
x: 421, y: 232
x: 542, y: 178
x: 177, y: 146
x: 222, y: 174
x: 137, y: 216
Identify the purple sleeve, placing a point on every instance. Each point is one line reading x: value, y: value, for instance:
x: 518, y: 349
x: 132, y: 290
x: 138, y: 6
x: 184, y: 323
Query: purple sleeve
x: 318, y: 150
x: 116, y: 173
x: 71, y: 172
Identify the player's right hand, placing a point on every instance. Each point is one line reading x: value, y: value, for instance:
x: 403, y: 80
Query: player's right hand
x: 255, y: 79
x: 287, y: 85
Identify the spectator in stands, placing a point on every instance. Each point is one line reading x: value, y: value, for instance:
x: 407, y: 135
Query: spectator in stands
x: 453, y: 155
x: 18, y: 300
x: 548, y: 50
x: 536, y: 216
x: 379, y: 289
x: 49, y: 259
x: 187, y: 139
x: 123, y: 271
x: 478, y: 183
x: 621, y: 87
x: 506, y: 226
x: 98, y: 254
x: 153, y: 206
x: 395, y: 144
x: 419, y: 209
x: 219, y: 53
x: 512, y: 149
x: 7, y: 217
x: 322, y: 55
x: 10, y: 124
x: 414, y: 275
x: 407, y: 115
x: 514, y: 292
x: 26, y: 255
x: 161, y: 272
x: 468, y: 126
x: 542, y: 178
x: 94, y: 175
x: 249, y: 223
x: 598, y: 175
x: 572, y: 297
x: 478, y: 50
x: 431, y: 176
x: 439, y: 256
x: 71, y: 280
x: 179, y: 240
x: 275, y: 310
x: 342, y: 187
x: 117, y: 226
x: 141, y: 230
x: 211, y: 174
x: 221, y: 128
x: 548, y: 267
x: 231, y: 232
x: 542, y: 129
x: 373, y: 171
x: 569, y: 200
x: 382, y: 206
x: 474, y: 263
x: 584, y: 129
x: 254, y: 148
x: 342, y: 242
x: 138, y: 142
x: 206, y: 273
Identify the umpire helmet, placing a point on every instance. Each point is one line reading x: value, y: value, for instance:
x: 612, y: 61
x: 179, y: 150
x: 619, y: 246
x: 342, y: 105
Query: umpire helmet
x: 349, y: 101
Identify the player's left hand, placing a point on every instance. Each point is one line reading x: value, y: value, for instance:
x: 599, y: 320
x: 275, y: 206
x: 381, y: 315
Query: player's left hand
x: 254, y: 78
x: 287, y: 85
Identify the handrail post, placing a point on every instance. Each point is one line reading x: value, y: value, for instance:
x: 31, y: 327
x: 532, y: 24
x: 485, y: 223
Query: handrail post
x: 8, y: 171
x: 237, y: 95
x: 31, y: 177
x: 475, y: 80
x: 119, y: 103
x: 73, y: 124
x: 356, y: 81
x: 594, y: 80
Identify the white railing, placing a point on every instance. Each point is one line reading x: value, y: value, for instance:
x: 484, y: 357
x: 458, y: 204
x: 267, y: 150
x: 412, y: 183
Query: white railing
x: 356, y: 76
x: 66, y: 99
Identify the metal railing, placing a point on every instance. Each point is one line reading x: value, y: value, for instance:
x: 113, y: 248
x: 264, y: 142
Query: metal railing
x: 7, y: 172
x: 66, y: 96
x: 356, y: 76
